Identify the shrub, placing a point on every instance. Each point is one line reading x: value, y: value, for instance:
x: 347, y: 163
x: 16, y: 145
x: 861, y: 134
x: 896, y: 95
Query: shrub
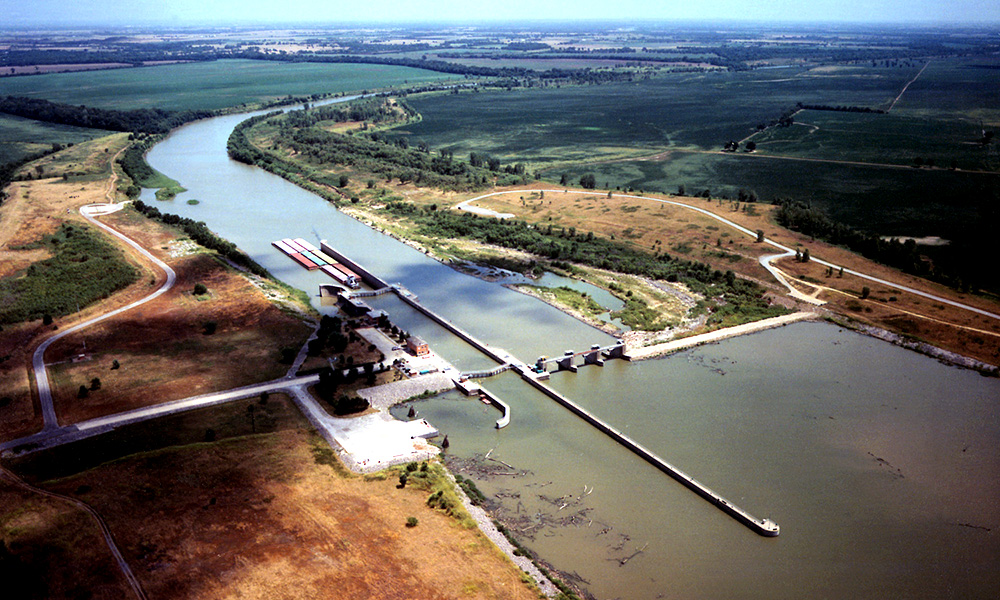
x: 200, y: 289
x: 412, y: 522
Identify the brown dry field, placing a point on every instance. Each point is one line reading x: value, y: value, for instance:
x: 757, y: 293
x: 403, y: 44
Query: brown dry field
x: 49, y: 539
x: 259, y: 517
x: 34, y: 209
x: 686, y: 234
x: 161, y: 346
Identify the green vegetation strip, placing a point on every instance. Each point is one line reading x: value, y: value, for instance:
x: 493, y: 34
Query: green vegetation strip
x: 734, y: 299
x: 200, y: 233
x: 83, y: 269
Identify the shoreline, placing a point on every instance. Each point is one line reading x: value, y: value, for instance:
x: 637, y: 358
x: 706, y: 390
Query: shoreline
x: 658, y: 350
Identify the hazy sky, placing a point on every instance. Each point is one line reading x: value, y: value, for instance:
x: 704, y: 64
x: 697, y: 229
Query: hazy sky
x: 188, y: 12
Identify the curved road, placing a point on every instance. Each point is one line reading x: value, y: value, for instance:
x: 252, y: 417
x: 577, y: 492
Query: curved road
x: 38, y: 359
x: 764, y: 260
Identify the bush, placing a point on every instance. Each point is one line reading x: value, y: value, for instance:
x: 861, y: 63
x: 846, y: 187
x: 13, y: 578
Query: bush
x: 412, y: 522
x: 200, y: 289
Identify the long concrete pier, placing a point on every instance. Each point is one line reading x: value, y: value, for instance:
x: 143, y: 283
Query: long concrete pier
x: 765, y: 527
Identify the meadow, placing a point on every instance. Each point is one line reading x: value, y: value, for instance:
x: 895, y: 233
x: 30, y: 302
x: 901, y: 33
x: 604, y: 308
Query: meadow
x: 209, y: 85
x: 893, y: 138
x: 20, y: 138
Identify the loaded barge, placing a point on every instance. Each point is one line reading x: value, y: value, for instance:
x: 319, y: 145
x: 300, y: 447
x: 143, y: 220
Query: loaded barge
x: 312, y: 258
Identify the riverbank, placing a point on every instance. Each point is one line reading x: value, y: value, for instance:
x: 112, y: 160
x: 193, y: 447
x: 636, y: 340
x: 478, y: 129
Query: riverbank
x: 714, y: 336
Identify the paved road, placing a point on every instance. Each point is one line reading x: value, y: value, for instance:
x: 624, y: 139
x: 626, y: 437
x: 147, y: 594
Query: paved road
x: 38, y: 359
x: 56, y: 436
x: 785, y: 249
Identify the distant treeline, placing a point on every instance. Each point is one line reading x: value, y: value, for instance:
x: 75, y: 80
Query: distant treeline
x: 131, y: 53
x: 149, y: 120
x: 200, y: 233
x: 852, y: 109
x: 440, y: 66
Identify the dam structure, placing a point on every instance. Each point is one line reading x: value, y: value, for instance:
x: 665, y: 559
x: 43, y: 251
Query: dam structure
x: 535, y: 376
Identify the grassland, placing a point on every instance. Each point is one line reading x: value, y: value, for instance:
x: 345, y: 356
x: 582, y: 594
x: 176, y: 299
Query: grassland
x: 209, y: 85
x: 653, y: 135
x: 20, y: 138
x: 893, y: 138
x: 901, y: 201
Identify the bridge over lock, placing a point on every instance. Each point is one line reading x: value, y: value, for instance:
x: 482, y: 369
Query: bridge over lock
x: 595, y: 356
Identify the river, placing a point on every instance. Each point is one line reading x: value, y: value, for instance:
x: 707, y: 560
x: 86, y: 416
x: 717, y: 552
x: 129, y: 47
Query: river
x: 879, y: 464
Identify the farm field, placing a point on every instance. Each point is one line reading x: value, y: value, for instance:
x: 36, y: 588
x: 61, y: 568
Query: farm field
x: 900, y: 201
x: 679, y: 110
x: 963, y: 88
x: 209, y: 85
x: 876, y: 138
x: 21, y: 137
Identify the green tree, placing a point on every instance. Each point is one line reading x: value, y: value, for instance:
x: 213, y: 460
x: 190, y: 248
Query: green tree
x: 760, y: 235
x: 83, y: 392
x: 200, y: 289
x: 344, y: 180
x: 588, y: 181
x: 865, y: 292
x: 95, y: 384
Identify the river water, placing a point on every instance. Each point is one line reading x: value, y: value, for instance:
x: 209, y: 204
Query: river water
x: 880, y: 465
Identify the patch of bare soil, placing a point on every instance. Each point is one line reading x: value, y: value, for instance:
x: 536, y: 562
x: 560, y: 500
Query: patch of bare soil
x: 260, y: 517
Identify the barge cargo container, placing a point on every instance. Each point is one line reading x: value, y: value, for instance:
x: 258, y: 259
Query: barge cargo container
x: 309, y: 247
x: 305, y: 262
x: 294, y: 245
x: 348, y: 280
x: 283, y: 247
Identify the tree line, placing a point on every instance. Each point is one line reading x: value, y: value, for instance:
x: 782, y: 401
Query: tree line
x: 201, y: 234
x: 149, y: 120
x: 734, y: 296
x: 959, y: 267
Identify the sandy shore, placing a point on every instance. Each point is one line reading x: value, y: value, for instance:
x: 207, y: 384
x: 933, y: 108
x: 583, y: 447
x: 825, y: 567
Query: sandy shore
x: 714, y: 336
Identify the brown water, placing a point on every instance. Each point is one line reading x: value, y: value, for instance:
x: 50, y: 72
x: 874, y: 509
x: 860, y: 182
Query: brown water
x: 880, y: 465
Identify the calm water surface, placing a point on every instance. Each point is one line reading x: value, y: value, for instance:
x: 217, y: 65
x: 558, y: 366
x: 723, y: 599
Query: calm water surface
x: 880, y: 465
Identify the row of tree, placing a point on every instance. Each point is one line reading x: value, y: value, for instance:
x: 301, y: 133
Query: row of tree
x: 150, y: 120
x: 735, y: 295
x: 202, y: 235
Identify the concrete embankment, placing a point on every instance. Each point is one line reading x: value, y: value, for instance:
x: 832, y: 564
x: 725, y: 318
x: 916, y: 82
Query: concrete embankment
x: 370, y: 279
x: 715, y: 336
x: 764, y: 527
x: 478, y: 345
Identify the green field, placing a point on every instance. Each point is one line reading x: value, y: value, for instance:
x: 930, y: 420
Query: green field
x: 24, y: 137
x: 209, y: 85
x: 889, y: 201
x: 875, y: 138
x: 680, y: 110
x: 956, y: 88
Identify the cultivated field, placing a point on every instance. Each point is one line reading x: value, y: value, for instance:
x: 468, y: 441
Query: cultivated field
x: 209, y: 85
x: 680, y: 110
